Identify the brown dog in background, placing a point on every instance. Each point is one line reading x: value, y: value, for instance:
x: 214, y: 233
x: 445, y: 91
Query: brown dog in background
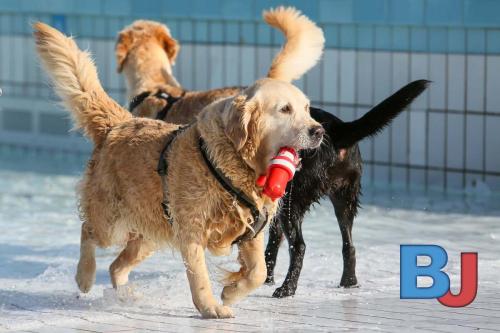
x: 121, y: 193
x: 145, y: 53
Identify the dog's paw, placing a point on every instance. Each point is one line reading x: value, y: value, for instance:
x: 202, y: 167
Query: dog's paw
x: 269, y: 281
x: 216, y: 311
x: 84, y: 284
x: 349, y: 282
x: 84, y: 280
x: 283, y: 291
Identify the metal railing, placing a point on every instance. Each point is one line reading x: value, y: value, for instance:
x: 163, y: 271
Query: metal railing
x: 447, y: 139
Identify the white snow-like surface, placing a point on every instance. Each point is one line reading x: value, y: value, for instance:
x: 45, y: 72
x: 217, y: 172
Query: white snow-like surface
x: 39, y: 247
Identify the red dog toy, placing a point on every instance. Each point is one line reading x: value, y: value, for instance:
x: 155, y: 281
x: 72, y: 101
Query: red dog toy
x: 280, y: 172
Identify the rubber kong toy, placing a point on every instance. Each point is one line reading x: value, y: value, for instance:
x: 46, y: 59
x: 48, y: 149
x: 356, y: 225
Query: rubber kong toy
x: 280, y: 172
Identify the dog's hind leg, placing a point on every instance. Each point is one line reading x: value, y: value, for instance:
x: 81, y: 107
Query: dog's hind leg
x: 292, y: 227
x: 85, y: 274
x: 345, y: 210
x: 252, y: 273
x: 133, y: 254
x: 272, y: 249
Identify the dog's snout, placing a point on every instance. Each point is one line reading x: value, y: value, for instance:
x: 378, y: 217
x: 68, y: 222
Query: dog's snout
x: 317, y: 132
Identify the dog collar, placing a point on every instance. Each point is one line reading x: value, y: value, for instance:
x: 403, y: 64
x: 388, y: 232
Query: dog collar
x: 171, y: 100
x: 260, y: 219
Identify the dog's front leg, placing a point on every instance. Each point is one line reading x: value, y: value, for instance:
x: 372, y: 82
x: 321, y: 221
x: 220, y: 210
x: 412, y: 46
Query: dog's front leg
x: 273, y: 247
x: 292, y: 229
x: 253, y: 270
x: 199, y: 282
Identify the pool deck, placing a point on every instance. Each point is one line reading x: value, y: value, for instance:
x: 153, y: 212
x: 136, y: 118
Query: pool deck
x: 39, y: 247
x: 260, y: 313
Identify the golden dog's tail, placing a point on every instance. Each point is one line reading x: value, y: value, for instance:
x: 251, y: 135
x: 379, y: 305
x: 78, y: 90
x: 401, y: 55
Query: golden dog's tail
x: 303, y: 47
x: 75, y: 80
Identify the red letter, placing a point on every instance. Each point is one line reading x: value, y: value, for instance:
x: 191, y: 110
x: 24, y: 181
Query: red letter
x: 468, y: 289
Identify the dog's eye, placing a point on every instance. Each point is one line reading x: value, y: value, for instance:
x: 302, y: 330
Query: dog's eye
x: 286, y: 109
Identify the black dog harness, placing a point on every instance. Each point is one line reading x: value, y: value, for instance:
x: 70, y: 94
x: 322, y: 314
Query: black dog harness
x: 260, y: 219
x: 162, y: 170
x: 171, y: 100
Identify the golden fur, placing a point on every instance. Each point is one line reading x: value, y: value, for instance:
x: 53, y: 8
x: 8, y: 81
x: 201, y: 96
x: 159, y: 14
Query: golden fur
x: 304, y: 45
x: 121, y: 192
x: 147, y: 39
x: 145, y: 71
x: 301, y: 51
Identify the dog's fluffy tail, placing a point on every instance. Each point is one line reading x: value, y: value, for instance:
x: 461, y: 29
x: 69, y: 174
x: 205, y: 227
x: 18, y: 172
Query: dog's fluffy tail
x: 346, y: 134
x: 75, y: 80
x: 230, y: 278
x: 303, y: 47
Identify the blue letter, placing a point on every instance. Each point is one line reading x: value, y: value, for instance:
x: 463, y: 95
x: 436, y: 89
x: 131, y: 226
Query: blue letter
x: 410, y: 271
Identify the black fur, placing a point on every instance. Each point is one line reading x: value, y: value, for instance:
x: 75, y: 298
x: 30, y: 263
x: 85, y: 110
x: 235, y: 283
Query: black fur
x: 325, y: 173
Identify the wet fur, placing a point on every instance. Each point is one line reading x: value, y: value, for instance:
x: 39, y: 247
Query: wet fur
x: 121, y: 191
x: 334, y: 170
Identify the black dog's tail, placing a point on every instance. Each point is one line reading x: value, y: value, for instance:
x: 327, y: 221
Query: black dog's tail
x: 346, y: 134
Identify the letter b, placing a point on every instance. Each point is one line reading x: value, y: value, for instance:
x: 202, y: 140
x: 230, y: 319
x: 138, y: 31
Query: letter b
x: 410, y: 271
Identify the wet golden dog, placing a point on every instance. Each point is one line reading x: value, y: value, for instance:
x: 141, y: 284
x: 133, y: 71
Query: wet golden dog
x: 121, y: 192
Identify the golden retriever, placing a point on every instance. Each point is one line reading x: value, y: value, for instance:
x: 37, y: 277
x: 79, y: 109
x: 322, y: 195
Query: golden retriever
x: 121, y: 192
x: 146, y: 52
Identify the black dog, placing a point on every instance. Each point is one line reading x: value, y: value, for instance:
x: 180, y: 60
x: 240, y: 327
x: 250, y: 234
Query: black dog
x: 334, y: 169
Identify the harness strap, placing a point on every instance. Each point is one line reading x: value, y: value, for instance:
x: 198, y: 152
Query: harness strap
x: 260, y: 219
x: 170, y: 103
x: 134, y: 102
x: 171, y: 100
x: 162, y: 170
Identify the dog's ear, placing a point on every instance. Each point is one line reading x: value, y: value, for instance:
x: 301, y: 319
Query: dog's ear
x: 242, y: 125
x: 169, y: 44
x: 123, y: 45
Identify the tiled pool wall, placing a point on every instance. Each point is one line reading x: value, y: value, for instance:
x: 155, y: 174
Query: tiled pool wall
x: 449, y: 138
